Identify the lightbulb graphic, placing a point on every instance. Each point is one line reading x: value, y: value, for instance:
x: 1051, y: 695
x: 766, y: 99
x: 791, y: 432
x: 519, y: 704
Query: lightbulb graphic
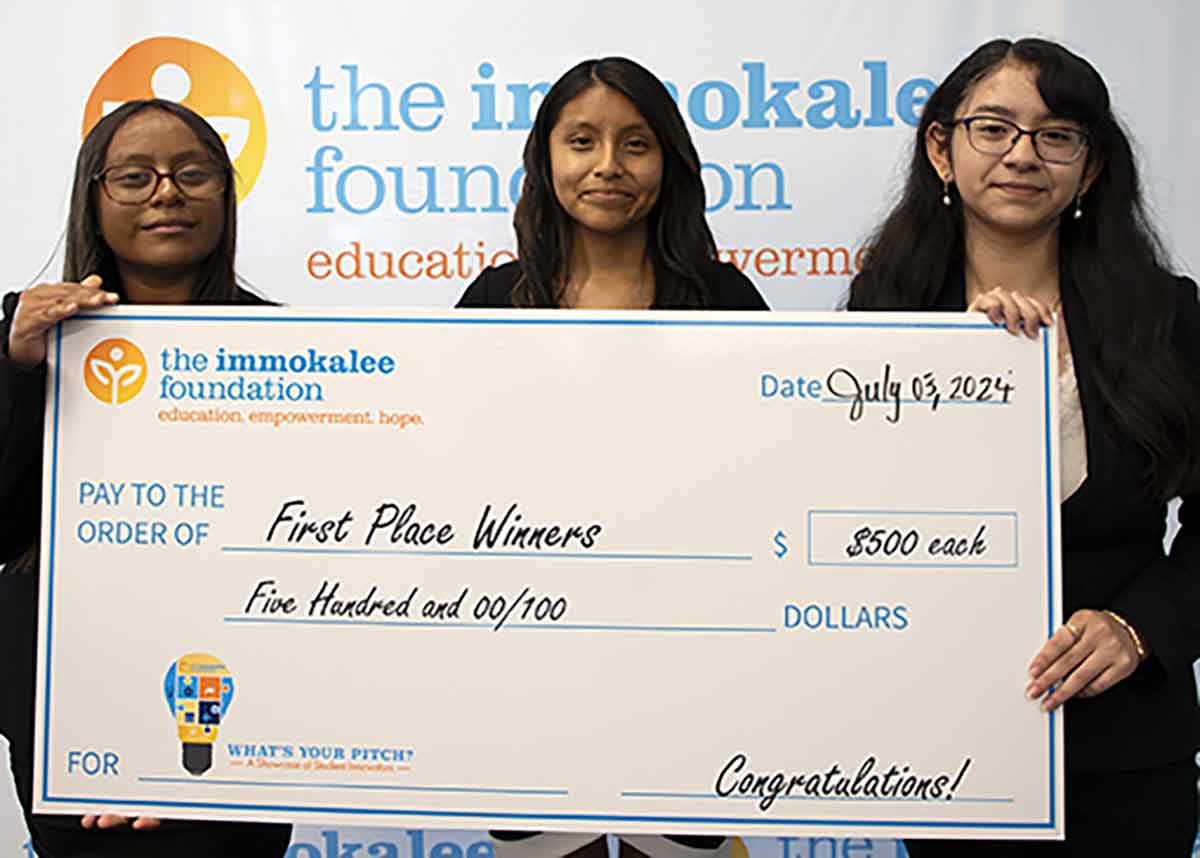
x: 198, y: 688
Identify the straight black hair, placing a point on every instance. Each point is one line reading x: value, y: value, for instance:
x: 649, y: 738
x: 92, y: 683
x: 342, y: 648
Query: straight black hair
x: 680, y: 245
x: 87, y: 252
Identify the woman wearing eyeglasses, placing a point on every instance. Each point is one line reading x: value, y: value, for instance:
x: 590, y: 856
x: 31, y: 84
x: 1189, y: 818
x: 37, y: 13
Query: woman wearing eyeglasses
x: 153, y: 220
x: 1023, y: 202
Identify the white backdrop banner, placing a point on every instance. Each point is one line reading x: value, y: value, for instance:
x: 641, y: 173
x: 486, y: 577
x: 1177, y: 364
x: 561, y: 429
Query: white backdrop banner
x: 378, y: 146
x: 379, y: 150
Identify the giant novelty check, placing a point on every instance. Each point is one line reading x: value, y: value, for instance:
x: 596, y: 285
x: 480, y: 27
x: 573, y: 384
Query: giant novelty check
x: 659, y: 572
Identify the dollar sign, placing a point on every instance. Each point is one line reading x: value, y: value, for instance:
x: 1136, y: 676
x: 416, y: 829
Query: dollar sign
x: 780, y: 544
x: 857, y: 548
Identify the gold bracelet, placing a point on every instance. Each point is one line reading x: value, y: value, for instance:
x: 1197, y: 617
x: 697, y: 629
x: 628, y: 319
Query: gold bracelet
x: 1133, y: 635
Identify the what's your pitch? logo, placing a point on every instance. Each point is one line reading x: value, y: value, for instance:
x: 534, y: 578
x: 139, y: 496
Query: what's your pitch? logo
x: 114, y: 371
x: 198, y: 77
x: 199, y: 689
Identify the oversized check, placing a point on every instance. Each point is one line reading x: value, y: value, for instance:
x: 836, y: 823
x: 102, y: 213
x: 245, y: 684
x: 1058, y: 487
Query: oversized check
x: 673, y: 572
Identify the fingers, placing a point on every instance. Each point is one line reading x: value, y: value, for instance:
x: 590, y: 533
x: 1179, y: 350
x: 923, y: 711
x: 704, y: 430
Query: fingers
x: 1086, y: 656
x: 92, y: 295
x: 1109, y: 677
x: 41, y: 307
x: 1065, y: 637
x: 999, y: 307
x: 987, y: 303
x: 106, y: 821
x: 1058, y: 657
x: 1031, y: 314
x: 47, y: 297
x: 1011, y: 311
x: 1017, y: 312
x: 103, y: 820
x: 1047, y: 313
x: 1078, y: 679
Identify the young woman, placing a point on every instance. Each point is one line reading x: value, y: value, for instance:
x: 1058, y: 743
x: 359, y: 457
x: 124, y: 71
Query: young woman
x: 1023, y: 201
x: 153, y: 220
x: 611, y: 216
x: 611, y: 213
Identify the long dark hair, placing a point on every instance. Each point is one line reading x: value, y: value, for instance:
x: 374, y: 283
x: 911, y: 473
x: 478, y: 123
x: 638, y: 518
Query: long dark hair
x: 680, y: 244
x: 1112, y: 259
x: 86, y: 250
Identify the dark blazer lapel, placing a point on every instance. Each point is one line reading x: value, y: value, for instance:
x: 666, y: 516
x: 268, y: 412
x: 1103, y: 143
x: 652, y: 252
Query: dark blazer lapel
x: 954, y: 293
x: 953, y: 296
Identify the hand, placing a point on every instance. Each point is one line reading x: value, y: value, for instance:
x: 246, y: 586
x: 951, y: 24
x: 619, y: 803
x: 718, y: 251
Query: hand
x: 1013, y: 310
x: 41, y: 307
x: 1088, y: 655
x: 111, y: 820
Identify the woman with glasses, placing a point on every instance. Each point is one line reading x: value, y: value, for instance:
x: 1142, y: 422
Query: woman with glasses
x: 1023, y: 202
x: 153, y: 220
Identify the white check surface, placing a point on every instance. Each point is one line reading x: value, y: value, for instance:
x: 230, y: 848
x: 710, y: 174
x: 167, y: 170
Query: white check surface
x: 759, y: 613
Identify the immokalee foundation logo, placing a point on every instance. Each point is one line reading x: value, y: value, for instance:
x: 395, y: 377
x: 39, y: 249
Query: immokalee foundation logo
x: 198, y: 77
x: 114, y: 371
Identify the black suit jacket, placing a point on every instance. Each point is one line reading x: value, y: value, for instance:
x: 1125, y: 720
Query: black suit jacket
x: 22, y: 397
x: 729, y: 289
x: 1113, y: 558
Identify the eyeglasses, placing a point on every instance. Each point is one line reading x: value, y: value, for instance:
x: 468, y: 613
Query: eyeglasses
x: 130, y: 184
x: 1054, y: 144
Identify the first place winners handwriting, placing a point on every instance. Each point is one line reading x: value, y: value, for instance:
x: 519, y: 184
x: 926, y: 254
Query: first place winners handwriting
x: 497, y: 530
x: 396, y: 525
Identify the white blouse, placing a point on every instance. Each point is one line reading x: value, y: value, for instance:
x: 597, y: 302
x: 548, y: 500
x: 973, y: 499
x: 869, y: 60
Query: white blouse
x: 1072, y: 441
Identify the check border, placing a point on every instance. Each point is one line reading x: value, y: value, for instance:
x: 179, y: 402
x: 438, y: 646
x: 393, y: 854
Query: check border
x: 1051, y: 721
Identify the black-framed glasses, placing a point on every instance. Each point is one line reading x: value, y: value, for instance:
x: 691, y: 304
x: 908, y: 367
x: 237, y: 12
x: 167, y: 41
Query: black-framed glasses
x: 1055, y: 144
x: 131, y: 184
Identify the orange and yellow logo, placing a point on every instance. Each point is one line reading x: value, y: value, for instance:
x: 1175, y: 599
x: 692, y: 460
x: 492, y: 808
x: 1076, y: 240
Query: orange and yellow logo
x: 114, y: 371
x: 198, y: 77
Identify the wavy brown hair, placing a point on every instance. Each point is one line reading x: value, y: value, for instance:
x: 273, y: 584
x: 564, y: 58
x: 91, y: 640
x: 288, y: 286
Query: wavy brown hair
x: 680, y: 244
x: 1111, y: 258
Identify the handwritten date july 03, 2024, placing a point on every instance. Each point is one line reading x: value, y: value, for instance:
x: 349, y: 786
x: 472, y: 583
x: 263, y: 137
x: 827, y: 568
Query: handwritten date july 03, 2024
x: 927, y: 388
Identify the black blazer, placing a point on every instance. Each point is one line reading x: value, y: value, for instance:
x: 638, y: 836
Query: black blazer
x: 1113, y: 558
x: 22, y: 396
x: 729, y: 289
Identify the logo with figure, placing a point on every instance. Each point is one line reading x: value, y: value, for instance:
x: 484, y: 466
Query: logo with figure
x: 199, y: 689
x: 114, y: 371
x: 198, y: 77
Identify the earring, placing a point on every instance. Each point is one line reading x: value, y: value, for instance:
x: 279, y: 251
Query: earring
x: 1079, y: 207
x: 946, y: 193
